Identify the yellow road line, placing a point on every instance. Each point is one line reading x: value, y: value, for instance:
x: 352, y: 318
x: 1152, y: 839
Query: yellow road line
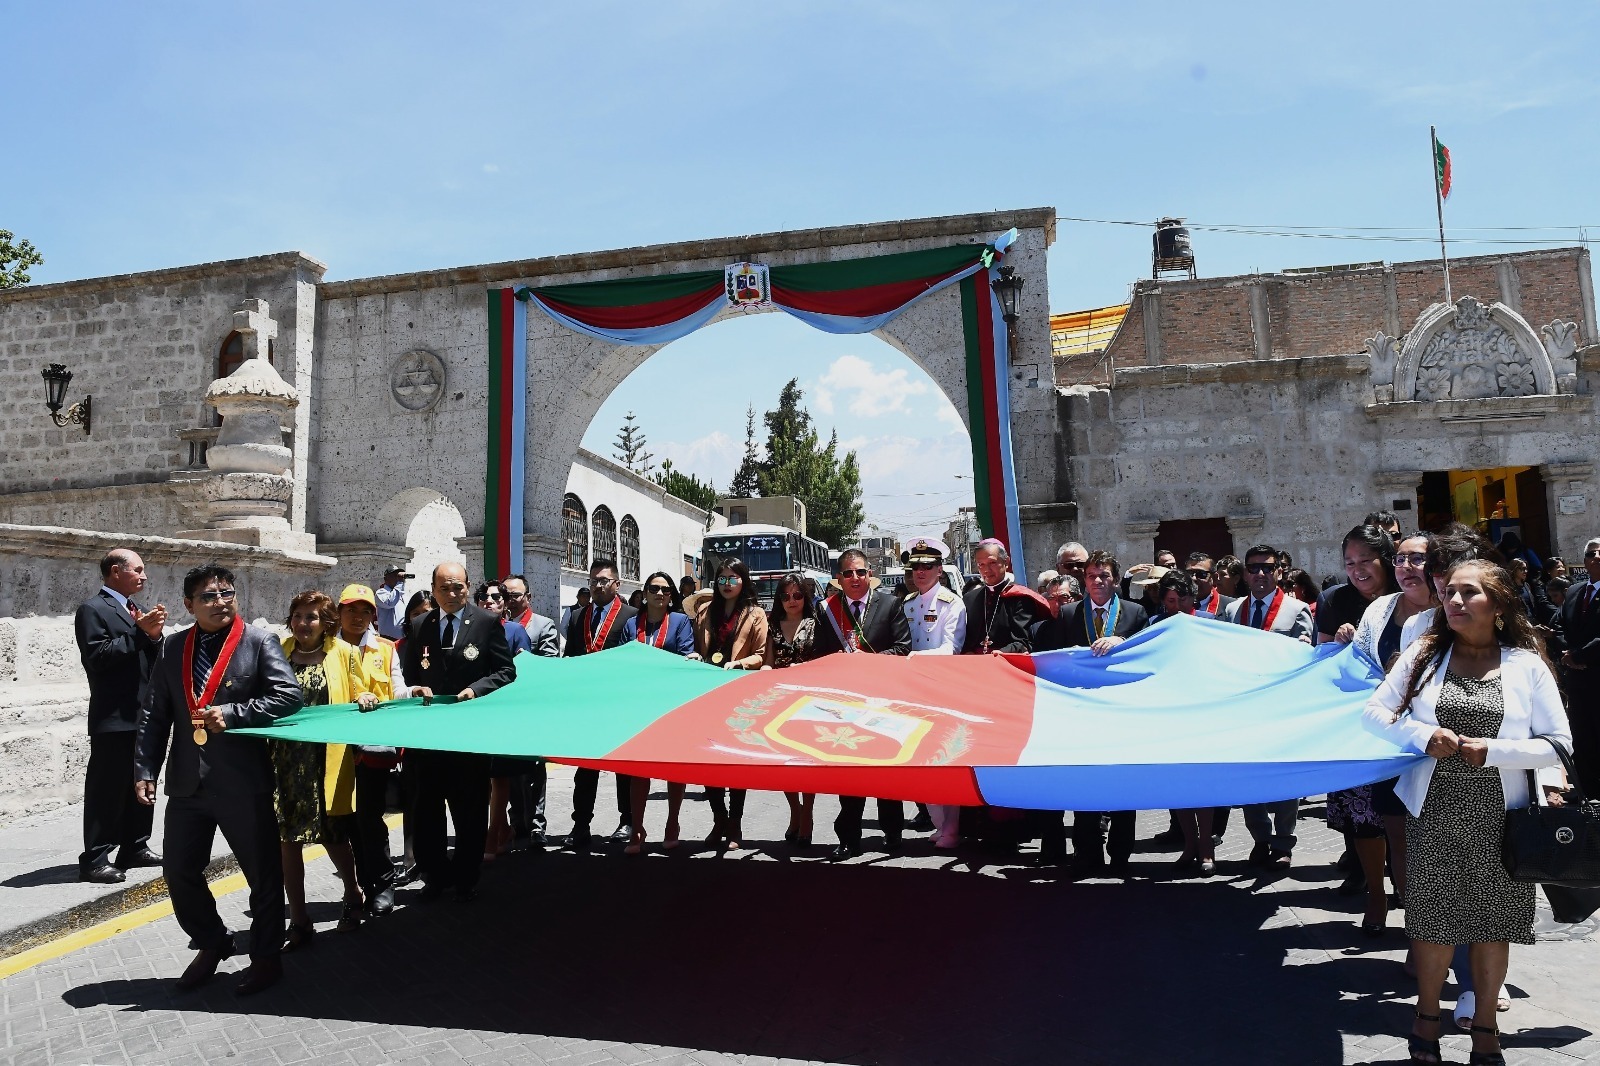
x: 153, y: 912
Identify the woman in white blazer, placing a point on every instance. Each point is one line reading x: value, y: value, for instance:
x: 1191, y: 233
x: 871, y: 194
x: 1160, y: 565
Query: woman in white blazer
x: 1473, y: 692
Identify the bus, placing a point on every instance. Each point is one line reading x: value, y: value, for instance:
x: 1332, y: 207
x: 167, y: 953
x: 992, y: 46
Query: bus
x: 769, y: 552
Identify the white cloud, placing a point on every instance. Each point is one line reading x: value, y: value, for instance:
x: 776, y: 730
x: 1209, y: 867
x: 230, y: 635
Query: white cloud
x: 715, y: 456
x: 868, y: 392
x: 910, y: 484
x: 491, y: 168
x: 946, y: 413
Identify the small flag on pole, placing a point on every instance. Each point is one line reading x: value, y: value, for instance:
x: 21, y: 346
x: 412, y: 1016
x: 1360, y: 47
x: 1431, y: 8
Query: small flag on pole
x: 1441, y: 168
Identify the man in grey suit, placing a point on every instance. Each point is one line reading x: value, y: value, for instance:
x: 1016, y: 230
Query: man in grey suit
x: 527, y: 788
x: 217, y: 675
x: 1269, y: 608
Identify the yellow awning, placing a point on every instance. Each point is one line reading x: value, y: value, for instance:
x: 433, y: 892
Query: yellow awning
x: 1084, y: 332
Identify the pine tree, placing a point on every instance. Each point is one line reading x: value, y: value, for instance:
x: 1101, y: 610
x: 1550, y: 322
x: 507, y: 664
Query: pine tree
x: 746, y: 481
x: 631, y: 448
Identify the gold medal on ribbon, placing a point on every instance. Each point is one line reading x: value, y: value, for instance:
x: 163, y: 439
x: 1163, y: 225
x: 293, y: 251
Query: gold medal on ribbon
x: 200, y: 736
x: 425, y: 663
x: 716, y: 658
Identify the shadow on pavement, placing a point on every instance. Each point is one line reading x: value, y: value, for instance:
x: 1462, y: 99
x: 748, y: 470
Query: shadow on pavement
x: 853, y: 963
x: 67, y: 873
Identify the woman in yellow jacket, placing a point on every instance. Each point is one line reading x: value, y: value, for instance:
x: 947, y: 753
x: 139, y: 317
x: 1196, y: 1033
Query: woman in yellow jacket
x: 315, y: 794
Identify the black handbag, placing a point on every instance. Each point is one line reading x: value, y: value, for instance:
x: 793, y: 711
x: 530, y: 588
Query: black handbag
x: 1554, y: 845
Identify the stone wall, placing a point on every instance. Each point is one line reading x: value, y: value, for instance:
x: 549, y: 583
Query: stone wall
x: 144, y: 347
x: 1333, y: 312
x: 45, y: 573
x: 145, y: 510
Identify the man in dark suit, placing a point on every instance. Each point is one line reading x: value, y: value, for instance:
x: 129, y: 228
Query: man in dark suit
x: 457, y: 650
x: 1100, y: 621
x: 596, y: 626
x: 1201, y: 568
x: 1578, y: 627
x: 217, y: 675
x: 119, y: 643
x: 860, y: 618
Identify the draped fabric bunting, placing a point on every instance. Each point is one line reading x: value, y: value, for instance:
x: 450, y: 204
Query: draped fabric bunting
x: 1188, y: 713
x: 845, y: 296
x: 507, y: 434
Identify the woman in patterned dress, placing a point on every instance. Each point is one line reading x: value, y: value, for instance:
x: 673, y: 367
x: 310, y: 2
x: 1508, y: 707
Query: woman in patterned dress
x: 314, y: 793
x: 790, y: 631
x: 1477, y: 696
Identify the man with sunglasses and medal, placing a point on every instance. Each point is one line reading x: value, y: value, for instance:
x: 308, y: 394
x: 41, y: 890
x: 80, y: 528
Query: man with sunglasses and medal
x: 594, y: 627
x: 1270, y: 609
x: 1099, y: 622
x: 215, y: 676
x: 938, y: 622
x: 862, y: 618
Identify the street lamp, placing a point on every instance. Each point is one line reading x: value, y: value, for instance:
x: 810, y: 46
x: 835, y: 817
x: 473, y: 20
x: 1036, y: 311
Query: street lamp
x: 1008, y: 287
x: 56, y: 379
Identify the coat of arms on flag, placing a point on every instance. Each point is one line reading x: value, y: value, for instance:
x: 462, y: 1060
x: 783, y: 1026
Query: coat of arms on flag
x: 833, y: 730
x: 747, y: 286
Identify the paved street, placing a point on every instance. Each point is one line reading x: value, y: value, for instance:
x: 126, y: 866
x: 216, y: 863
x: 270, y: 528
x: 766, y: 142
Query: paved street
x: 764, y: 957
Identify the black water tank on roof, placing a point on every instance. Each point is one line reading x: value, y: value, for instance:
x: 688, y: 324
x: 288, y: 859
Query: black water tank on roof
x: 1171, y: 240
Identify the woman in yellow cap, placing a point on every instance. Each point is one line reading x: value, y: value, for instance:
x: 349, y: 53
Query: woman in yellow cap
x: 315, y: 794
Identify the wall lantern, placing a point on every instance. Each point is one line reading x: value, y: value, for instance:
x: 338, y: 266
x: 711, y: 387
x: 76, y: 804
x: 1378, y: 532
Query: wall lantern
x: 1008, y: 287
x: 56, y: 379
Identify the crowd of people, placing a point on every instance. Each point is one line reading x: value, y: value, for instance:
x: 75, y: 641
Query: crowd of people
x: 1466, y: 631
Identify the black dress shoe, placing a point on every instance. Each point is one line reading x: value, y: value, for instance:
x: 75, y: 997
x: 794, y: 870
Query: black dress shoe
x: 431, y: 890
x: 201, y: 969
x: 536, y: 841
x: 1119, y: 868
x: 105, y: 874
x: 579, y: 842
x: 621, y: 834
x: 1085, y: 866
x: 922, y: 823
x: 1261, y: 855
x: 259, y: 976
x: 893, y: 844
x: 142, y: 857
x: 381, y: 902
x: 842, y: 852
x: 1280, y: 859
x: 403, y: 874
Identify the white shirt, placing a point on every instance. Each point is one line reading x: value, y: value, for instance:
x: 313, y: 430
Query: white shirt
x: 119, y: 597
x: 947, y: 631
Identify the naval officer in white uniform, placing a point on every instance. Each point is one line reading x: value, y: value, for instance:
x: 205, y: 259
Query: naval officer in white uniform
x: 938, y: 622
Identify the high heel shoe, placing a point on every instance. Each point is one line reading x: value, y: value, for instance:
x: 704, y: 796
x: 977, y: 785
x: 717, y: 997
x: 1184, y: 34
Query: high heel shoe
x: 735, y: 834
x: 670, y: 839
x: 1487, y: 1058
x: 350, y: 916
x: 1421, y: 1045
x: 635, y: 845
x: 299, y: 936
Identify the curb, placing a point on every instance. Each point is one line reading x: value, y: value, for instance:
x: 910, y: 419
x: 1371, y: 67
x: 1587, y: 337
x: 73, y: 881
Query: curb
x: 52, y: 927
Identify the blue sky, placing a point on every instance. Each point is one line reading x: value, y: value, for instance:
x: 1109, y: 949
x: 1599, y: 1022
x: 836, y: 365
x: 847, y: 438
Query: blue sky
x: 409, y: 136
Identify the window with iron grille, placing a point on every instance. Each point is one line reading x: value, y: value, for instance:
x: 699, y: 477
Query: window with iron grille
x: 604, y: 538
x: 629, y: 559
x: 575, y: 528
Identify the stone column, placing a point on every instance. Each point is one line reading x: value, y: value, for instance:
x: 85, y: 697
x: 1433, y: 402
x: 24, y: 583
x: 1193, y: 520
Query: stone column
x: 1138, y: 543
x: 1245, y: 530
x: 1570, y: 488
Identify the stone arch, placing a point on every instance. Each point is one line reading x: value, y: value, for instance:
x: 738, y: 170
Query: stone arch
x: 1469, y: 350
x: 427, y: 522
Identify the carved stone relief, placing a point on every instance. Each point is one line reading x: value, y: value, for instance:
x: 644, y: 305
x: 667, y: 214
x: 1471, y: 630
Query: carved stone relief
x: 1381, y: 352
x: 417, y: 380
x: 1561, y: 344
x: 1467, y: 351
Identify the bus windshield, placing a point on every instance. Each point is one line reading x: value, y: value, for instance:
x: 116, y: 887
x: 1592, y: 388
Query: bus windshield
x: 760, y: 552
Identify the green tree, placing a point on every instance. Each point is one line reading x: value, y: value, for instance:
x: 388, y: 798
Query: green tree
x: 686, y: 486
x: 746, y: 481
x: 799, y: 465
x: 15, y: 259
x: 631, y: 451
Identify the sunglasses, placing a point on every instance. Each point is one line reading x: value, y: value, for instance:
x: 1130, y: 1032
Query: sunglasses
x: 795, y: 595
x: 1261, y: 568
x: 1592, y: 555
x: 516, y: 595
x: 859, y: 572
x: 217, y: 596
x: 660, y: 590
x: 926, y: 566
x: 1196, y: 572
x: 1416, y: 559
x: 493, y: 596
x: 731, y: 579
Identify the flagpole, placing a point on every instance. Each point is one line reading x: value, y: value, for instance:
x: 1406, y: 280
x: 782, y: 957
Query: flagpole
x: 1438, y: 203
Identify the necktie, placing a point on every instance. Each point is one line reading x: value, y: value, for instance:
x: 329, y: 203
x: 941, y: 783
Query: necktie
x: 1260, y: 614
x: 132, y: 607
x: 448, y: 641
x: 1099, y: 621
x: 204, y: 656
x: 855, y: 609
